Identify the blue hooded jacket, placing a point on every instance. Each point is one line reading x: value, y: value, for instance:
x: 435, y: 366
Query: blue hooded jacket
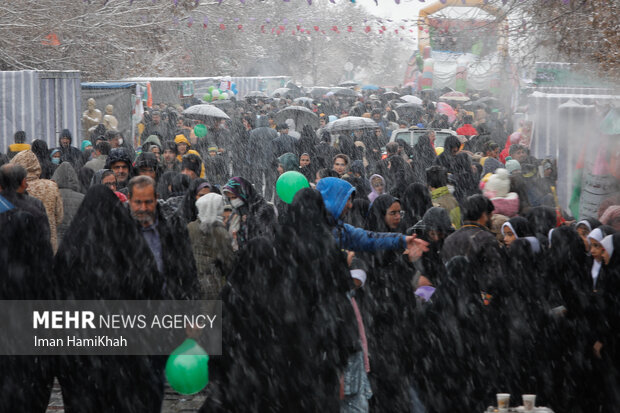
x: 336, y: 193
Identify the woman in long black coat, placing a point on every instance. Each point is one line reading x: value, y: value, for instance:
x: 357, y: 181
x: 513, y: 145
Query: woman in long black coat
x: 288, y: 326
x: 389, y: 306
x: 104, y: 256
x: 569, y: 294
x: 452, y: 349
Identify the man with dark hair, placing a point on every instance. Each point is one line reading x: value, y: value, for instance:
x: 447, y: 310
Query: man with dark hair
x: 119, y: 162
x: 491, y: 158
x: 13, y: 187
x: 146, y: 164
x: 518, y: 152
x: 437, y: 181
x: 20, y: 144
x: 467, y: 129
x: 169, y: 158
x: 100, y: 156
x: 284, y: 143
x: 376, y: 116
x: 191, y: 165
x: 476, y: 242
x: 391, y: 148
x: 167, y: 239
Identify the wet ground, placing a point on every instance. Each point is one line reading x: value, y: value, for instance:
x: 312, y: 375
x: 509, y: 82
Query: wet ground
x: 173, y: 401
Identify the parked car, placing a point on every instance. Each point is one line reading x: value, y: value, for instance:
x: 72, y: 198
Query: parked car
x: 412, y: 135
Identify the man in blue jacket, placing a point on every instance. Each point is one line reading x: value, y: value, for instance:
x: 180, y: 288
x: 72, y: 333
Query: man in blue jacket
x: 337, y: 197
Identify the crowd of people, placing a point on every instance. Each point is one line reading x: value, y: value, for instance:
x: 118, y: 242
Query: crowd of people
x: 402, y: 280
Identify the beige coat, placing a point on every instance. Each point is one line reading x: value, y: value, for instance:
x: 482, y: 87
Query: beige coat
x: 44, y: 190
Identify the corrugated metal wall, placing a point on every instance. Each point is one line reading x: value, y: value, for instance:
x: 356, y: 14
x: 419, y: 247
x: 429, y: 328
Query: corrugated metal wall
x: 564, y: 125
x: 41, y: 103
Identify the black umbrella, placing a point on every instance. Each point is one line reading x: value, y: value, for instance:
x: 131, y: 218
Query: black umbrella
x: 409, y: 107
x: 318, y: 91
x: 343, y: 91
x: 348, y: 83
x: 474, y: 105
x: 490, y: 101
x: 301, y: 115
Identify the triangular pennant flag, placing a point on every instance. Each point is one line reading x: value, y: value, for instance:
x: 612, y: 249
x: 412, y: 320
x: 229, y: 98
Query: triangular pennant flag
x: 51, y: 40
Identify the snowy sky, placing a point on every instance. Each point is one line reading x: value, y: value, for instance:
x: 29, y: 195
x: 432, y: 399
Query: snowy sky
x: 407, y: 9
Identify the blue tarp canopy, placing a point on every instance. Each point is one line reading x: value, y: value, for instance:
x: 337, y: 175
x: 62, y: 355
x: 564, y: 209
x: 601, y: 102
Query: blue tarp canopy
x: 107, y: 85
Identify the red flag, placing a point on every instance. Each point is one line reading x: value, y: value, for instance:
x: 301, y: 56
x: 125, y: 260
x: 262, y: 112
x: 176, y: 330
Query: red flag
x: 262, y: 28
x: 367, y: 29
x: 240, y: 27
x: 383, y: 28
x: 222, y: 27
x: 298, y: 28
x: 316, y: 28
x: 335, y: 29
x: 349, y: 28
x: 51, y: 40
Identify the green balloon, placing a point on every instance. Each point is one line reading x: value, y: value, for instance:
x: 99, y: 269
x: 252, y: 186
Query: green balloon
x: 221, y: 97
x: 289, y: 183
x: 211, y: 89
x: 187, y: 368
x: 200, y: 130
x: 207, y: 97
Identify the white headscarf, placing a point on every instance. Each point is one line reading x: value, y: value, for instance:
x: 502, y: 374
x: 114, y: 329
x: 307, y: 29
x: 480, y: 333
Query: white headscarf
x: 509, y: 225
x: 210, y: 208
x: 608, y: 244
x: 596, y: 234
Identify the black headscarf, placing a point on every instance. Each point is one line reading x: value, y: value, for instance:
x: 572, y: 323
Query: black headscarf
x: 188, y: 210
x: 376, y: 215
x: 40, y: 149
x: 399, y: 175
x: 416, y: 200
x: 423, y: 153
x: 163, y: 192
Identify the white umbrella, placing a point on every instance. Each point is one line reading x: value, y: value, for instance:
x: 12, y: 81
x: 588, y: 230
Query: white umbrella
x: 455, y: 96
x: 204, y: 111
x: 411, y: 99
x: 282, y: 91
x: 351, y: 123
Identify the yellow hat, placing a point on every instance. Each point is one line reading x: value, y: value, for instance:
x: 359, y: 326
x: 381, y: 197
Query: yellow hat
x: 181, y: 139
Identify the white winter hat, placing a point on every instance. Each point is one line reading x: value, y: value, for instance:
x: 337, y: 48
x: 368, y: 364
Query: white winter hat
x: 498, y: 184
